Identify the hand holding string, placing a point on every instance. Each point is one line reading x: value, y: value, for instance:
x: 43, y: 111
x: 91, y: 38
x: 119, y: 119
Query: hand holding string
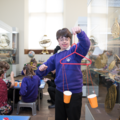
x: 76, y: 30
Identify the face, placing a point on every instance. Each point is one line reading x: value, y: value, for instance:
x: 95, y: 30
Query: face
x: 34, y: 64
x: 64, y: 42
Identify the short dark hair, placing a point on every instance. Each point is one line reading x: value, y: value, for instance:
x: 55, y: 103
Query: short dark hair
x: 63, y: 33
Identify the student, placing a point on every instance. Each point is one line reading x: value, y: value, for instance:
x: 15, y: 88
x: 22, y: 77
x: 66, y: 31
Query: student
x: 72, y: 111
x: 32, y: 63
x: 51, y: 90
x: 6, y: 67
x: 5, y: 108
x: 30, y: 85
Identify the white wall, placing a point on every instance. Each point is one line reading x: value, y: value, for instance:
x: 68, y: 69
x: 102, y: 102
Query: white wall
x: 13, y: 13
x: 73, y: 9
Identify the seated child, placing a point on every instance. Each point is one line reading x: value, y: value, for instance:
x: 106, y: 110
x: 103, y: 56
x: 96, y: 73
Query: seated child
x: 5, y: 66
x: 5, y: 108
x: 30, y: 85
x: 33, y: 64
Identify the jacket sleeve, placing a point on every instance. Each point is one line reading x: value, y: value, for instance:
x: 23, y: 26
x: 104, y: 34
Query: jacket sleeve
x: 51, y: 66
x: 23, y: 89
x: 83, y: 44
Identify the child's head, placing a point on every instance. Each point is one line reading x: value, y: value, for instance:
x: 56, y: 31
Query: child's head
x: 4, y: 65
x: 64, y: 36
x: 33, y: 62
x: 28, y: 71
x: 1, y: 73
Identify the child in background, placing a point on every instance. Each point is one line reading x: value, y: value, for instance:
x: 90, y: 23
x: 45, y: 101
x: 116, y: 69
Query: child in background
x: 5, y: 66
x: 72, y: 111
x: 5, y: 109
x: 51, y: 90
x: 30, y: 85
x: 33, y: 64
x: 51, y: 84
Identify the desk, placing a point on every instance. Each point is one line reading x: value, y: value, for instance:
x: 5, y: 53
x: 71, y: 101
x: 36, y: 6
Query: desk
x: 40, y: 89
x: 15, y: 117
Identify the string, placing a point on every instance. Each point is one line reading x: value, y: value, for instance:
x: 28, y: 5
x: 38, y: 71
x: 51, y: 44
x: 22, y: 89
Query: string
x: 63, y: 71
x: 66, y: 78
x: 63, y: 75
x: 87, y: 79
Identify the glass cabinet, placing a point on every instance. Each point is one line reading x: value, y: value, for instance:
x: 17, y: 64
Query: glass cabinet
x: 104, y: 34
x: 9, y: 47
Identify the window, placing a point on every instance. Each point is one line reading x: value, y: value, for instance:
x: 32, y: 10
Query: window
x: 45, y: 18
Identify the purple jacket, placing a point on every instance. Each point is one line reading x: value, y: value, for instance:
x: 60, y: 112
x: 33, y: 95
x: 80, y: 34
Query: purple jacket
x: 29, y: 88
x: 73, y: 72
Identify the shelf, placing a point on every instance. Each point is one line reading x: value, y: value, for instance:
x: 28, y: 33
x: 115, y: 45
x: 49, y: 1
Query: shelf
x: 7, y: 49
x: 4, y: 54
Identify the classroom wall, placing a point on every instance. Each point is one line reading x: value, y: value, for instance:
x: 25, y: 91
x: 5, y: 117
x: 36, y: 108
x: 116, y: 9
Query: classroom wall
x: 73, y: 9
x: 12, y: 13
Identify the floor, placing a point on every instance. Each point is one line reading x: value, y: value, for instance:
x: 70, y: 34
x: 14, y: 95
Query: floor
x: 49, y: 114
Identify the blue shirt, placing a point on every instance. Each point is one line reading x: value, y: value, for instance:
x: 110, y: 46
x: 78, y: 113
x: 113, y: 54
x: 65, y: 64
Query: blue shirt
x: 29, y: 88
x: 73, y: 72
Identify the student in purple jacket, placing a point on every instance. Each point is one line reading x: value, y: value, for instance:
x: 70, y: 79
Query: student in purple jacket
x: 30, y: 85
x: 72, y: 111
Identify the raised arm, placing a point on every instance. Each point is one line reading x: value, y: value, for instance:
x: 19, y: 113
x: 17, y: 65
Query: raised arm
x: 84, y: 42
x: 12, y: 79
